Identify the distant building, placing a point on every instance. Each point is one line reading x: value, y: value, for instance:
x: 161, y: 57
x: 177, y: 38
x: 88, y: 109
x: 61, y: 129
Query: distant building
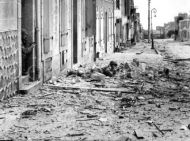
x: 156, y: 34
x: 184, y: 30
x: 170, y: 26
x: 127, y: 23
x: 161, y: 31
x: 177, y: 19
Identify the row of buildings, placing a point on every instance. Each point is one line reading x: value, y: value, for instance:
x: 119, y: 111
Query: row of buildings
x: 183, y: 27
x: 179, y: 29
x: 64, y: 33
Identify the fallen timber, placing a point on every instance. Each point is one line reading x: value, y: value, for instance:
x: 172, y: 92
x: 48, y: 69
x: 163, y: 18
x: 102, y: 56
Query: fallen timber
x: 119, y: 90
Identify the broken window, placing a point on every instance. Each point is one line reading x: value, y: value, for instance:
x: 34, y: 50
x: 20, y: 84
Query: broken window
x: 63, y: 23
x: 46, y: 26
x: 90, y: 17
x: 100, y: 26
x: 117, y: 4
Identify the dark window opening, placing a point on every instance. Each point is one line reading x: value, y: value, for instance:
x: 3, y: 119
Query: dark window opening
x: 63, y: 58
x: 117, y: 4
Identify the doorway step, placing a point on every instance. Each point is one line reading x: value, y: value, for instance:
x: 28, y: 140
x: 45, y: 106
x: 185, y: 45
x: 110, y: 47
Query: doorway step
x: 29, y: 87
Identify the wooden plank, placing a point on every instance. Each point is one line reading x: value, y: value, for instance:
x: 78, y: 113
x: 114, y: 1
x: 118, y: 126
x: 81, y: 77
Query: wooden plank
x: 177, y: 60
x: 123, y: 90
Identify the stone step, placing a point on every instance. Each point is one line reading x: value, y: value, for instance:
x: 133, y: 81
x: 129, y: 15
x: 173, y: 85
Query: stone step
x: 25, y: 79
x: 30, y: 87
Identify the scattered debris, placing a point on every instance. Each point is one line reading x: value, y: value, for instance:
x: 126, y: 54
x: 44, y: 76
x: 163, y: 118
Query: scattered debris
x: 98, y: 77
x: 136, y: 62
x: 139, y: 134
x: 183, y: 127
x: 127, y: 102
x: 188, y: 126
x: 166, y: 72
x: 29, y: 113
x: 127, y: 67
x: 154, y: 134
x: 123, y: 138
x: 23, y: 127
x: 103, y: 119
x: 174, y: 108
x: 152, y: 123
x: 158, y: 105
x: 48, y: 110
x: 75, y: 73
x: 75, y: 135
x: 138, y: 53
x: 92, y: 116
x: 95, y: 98
x: 140, y: 98
x: 123, y: 90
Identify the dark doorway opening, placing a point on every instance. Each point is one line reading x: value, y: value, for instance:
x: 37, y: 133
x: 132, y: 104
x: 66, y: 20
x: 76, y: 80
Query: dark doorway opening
x: 106, y: 31
x: 75, y: 35
x: 28, y: 39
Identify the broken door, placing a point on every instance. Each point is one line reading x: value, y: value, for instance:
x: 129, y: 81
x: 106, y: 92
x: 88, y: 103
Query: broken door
x: 64, y: 33
x: 47, y: 40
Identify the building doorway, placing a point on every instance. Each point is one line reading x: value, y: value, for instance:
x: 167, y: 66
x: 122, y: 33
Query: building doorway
x: 64, y: 33
x: 75, y: 34
x: 28, y: 39
x: 106, y: 31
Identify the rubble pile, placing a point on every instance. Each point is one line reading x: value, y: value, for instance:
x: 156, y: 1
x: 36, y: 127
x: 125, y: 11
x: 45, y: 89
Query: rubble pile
x: 143, y: 78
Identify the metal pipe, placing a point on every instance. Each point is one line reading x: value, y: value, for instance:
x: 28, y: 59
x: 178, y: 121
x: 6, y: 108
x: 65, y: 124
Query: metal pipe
x: 149, y: 21
x: 34, y: 49
x: 37, y: 31
x: 152, y: 36
x: 152, y: 47
x: 113, y: 26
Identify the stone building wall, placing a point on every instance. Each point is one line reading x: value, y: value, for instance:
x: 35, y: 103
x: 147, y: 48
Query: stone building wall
x: 184, y: 30
x: 104, y: 10
x: 8, y: 64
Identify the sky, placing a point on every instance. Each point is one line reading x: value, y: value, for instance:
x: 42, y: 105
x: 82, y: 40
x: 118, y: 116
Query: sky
x: 166, y: 10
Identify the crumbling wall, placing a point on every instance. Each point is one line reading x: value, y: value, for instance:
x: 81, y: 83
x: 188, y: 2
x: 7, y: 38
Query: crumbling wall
x: 8, y: 64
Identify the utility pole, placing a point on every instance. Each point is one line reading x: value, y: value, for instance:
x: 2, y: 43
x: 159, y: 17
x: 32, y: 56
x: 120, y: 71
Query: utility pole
x: 149, y: 21
x: 152, y: 34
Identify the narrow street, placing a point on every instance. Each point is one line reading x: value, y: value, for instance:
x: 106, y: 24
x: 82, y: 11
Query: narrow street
x: 145, y: 96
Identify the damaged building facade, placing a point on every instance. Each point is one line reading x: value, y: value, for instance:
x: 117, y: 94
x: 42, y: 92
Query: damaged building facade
x: 105, y: 34
x: 128, y: 25
x: 180, y: 17
x: 179, y: 28
x: 46, y: 37
x: 169, y: 27
x: 184, y: 29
